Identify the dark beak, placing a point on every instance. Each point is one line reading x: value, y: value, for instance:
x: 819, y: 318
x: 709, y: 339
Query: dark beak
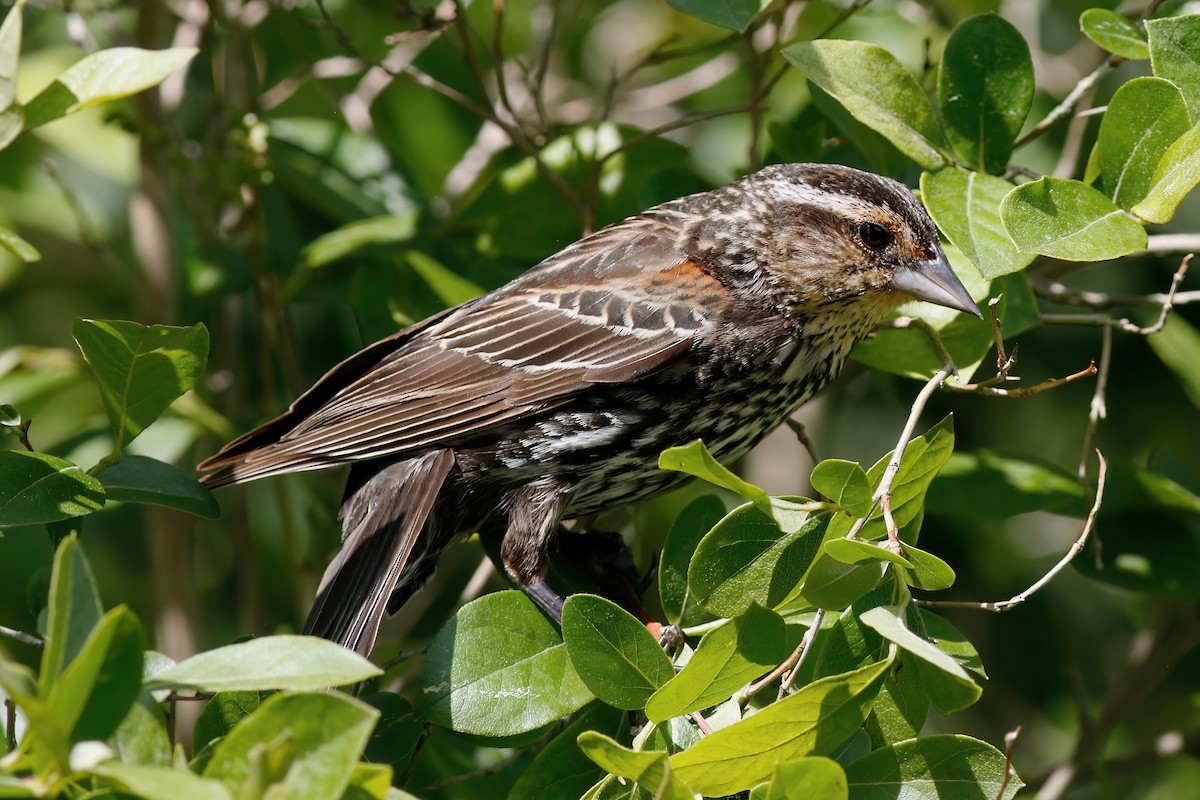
x: 934, y: 281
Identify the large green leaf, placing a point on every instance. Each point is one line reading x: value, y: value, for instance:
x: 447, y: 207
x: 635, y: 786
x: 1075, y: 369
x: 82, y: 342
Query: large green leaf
x: 295, y: 663
x: 954, y: 689
x: 727, y: 659
x: 1175, y: 55
x: 498, y: 668
x: 139, y: 479
x: 294, y: 745
x: 991, y: 485
x: 747, y: 559
x: 877, y: 91
x: 142, y: 735
x: 160, y: 782
x: 985, y: 89
x: 966, y: 206
x: 1144, y: 117
x: 615, y: 655
x: 74, y: 611
x: 221, y: 713
x: 1115, y: 33
x: 813, y: 721
x: 1070, y: 220
x: 1177, y: 173
x: 36, y: 488
x: 141, y: 369
x: 353, y: 237
x: 809, y: 778
x: 939, y: 766
x: 103, y: 76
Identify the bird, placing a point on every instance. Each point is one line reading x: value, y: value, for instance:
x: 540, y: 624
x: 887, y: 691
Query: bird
x: 713, y: 316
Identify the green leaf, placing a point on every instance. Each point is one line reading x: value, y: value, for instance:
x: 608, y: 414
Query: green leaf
x: 966, y: 206
x: 727, y: 658
x: 877, y: 91
x: 923, y: 458
x: 1175, y: 55
x: 101, y: 77
x: 221, y: 713
x: 9, y: 240
x: 985, y: 89
x: 736, y: 15
x: 36, y: 488
x: 142, y: 736
x: 450, y: 287
x: 844, y: 483
x: 141, y: 369
x: 650, y: 770
x: 74, y: 611
x: 1143, y: 119
x: 139, y: 479
x: 901, y: 708
x: 160, y: 782
x: 398, y: 733
x: 747, y: 559
x: 1115, y: 33
x: 954, y: 690
x: 95, y: 691
x: 807, y: 779
x: 833, y: 585
x: 951, y: 641
x: 1177, y: 173
x: 694, y: 459
x: 928, y: 572
x: 932, y: 766
x: 10, y: 54
x: 9, y: 416
x: 561, y: 770
x: 990, y: 485
x: 693, y: 522
x: 813, y: 721
x: 1069, y: 220
x: 306, y: 745
x: 852, y: 551
x: 355, y: 236
x: 615, y: 655
x: 294, y: 663
x: 1178, y: 346
x: 498, y: 668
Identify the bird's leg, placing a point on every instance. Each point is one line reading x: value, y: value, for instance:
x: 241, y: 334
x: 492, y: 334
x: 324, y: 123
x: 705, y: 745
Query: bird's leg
x: 533, y: 516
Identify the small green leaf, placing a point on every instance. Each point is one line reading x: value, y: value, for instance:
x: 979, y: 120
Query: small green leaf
x: 561, y: 770
x: 9, y: 416
x: 813, y: 721
x: 1175, y: 55
x: 1177, y: 173
x: 736, y: 15
x: 10, y: 54
x: 694, y: 459
x: 139, y: 479
x: 294, y: 663
x: 498, y: 668
x: 615, y: 655
x: 160, y: 782
x: 951, y: 641
x: 1115, y: 33
x: 807, y: 779
x: 747, y: 559
x: 300, y: 745
x: 74, y: 611
x: 352, y: 237
x: 36, y: 488
x: 141, y: 369
x: 103, y: 76
x: 877, y: 91
x: 9, y: 240
x: 650, y: 770
x: 844, y: 483
x: 1069, y: 220
x: 96, y: 690
x: 928, y: 572
x: 985, y: 89
x: 852, y: 551
x: 932, y: 766
x: 966, y: 206
x: 833, y: 585
x: 398, y: 733
x: 693, y: 522
x: 1143, y: 119
x: 888, y: 622
x: 727, y: 658
x: 142, y: 736
x: 222, y: 712
x: 450, y: 287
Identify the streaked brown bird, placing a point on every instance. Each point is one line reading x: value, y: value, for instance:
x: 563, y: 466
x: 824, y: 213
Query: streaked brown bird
x: 709, y: 317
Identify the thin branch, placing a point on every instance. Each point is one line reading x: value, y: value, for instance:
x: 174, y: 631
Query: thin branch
x: 402, y: 656
x: 847, y: 12
x: 1010, y: 741
x: 902, y: 323
x: 22, y: 637
x: 1016, y: 600
x: 797, y: 428
x: 10, y: 724
x: 787, y: 664
x: 986, y: 390
x: 1066, y: 108
x: 806, y: 648
x: 701, y: 723
x: 1059, y: 293
x: 1098, y: 409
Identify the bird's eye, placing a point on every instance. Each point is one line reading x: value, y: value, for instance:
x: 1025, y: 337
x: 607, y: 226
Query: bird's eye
x: 874, y: 235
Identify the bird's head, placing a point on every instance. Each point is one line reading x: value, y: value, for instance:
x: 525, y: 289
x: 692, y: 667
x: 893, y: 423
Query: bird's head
x: 828, y: 234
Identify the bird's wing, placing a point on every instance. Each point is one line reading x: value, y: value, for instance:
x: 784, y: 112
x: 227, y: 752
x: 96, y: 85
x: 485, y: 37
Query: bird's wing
x: 612, y: 308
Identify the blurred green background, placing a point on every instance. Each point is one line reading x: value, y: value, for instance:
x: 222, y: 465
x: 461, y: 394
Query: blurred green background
x: 212, y: 200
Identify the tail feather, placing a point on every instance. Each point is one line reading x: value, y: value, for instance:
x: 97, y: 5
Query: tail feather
x: 382, y: 523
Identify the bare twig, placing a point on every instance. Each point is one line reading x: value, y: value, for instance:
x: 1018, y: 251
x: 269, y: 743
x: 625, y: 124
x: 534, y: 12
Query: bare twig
x: 901, y: 323
x: 1010, y: 741
x: 1066, y: 108
x: 10, y: 724
x: 187, y: 698
x: 401, y: 657
x: 984, y: 388
x: 802, y: 436
x: 1098, y: 409
x: 790, y: 663
x: 805, y: 650
x: 1016, y: 600
x: 1058, y: 293
x: 22, y: 637
x: 701, y: 723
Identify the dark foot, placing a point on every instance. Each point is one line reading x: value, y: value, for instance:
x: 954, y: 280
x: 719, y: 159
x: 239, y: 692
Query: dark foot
x: 546, y: 599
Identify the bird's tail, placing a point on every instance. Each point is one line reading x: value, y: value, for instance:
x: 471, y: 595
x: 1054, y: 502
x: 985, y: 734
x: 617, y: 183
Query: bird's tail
x: 382, y: 523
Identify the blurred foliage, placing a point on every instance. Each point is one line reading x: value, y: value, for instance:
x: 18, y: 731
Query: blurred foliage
x: 265, y: 187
